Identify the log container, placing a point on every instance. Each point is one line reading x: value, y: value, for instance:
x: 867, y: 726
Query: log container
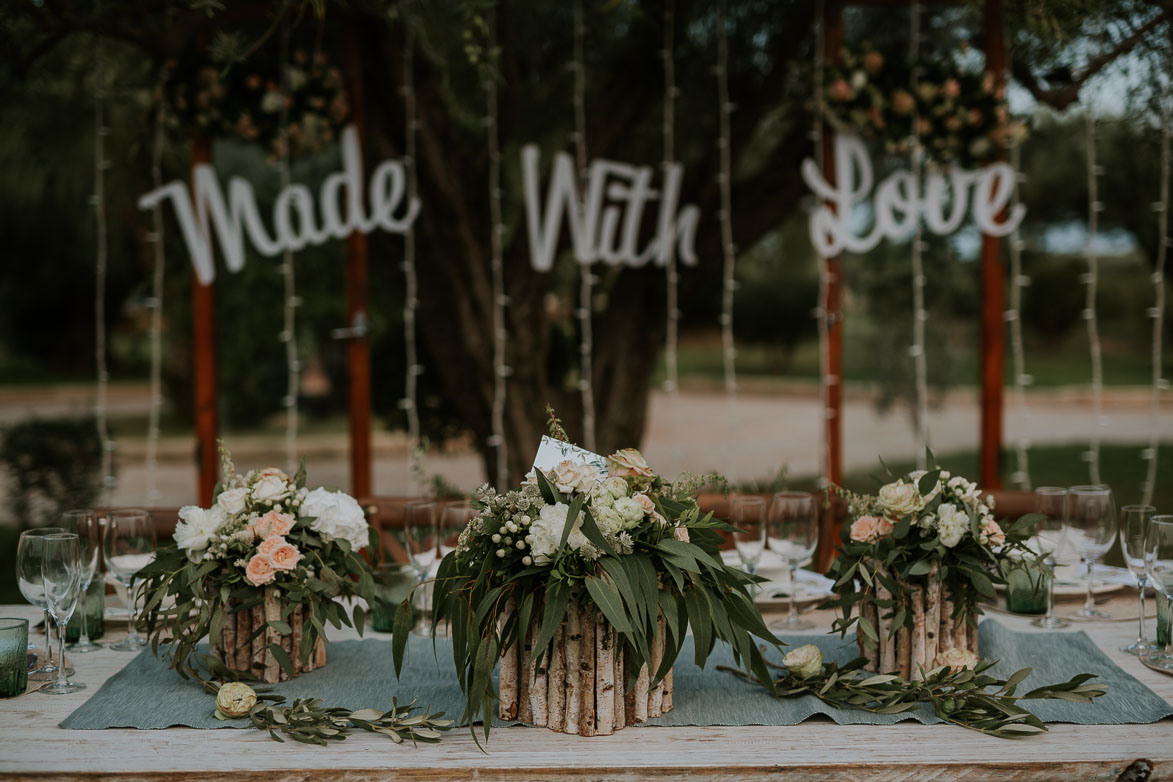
x: 242, y: 648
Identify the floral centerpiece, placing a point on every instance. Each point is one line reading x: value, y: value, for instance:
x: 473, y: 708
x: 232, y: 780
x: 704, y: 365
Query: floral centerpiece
x: 960, y: 115
x: 920, y: 555
x: 258, y: 573
x: 582, y: 582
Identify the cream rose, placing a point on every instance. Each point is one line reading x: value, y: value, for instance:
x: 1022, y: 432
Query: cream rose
x: 681, y: 534
x: 285, y: 556
x: 900, y: 499
x: 234, y: 700
x: 232, y: 500
x: 956, y: 659
x: 259, y: 570
x: 269, y: 488
x: 607, y: 520
x: 628, y: 461
x: 868, y: 529
x: 804, y: 662
x: 571, y: 476
x: 630, y: 510
x: 616, y: 487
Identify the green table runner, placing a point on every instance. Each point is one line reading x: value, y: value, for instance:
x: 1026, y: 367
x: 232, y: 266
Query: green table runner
x: 359, y: 674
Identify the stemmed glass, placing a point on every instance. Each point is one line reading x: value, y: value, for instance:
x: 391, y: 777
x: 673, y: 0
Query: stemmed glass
x: 420, y: 539
x: 748, y: 514
x: 84, y: 524
x: 129, y: 547
x: 1092, y: 519
x: 29, y: 550
x: 793, y: 533
x: 1158, y: 560
x: 1134, y: 523
x: 1050, y: 537
x: 61, y: 576
x: 453, y: 520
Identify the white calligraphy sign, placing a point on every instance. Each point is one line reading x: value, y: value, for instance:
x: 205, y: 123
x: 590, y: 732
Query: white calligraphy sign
x: 295, y: 224
x: 896, y: 207
x: 602, y: 231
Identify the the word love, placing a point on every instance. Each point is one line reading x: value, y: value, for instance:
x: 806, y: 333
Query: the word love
x: 605, y: 224
x: 896, y: 208
x: 295, y: 222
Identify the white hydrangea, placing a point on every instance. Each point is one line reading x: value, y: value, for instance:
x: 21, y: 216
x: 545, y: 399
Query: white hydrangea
x: 337, y: 516
x: 196, y: 529
x: 952, y: 524
x: 546, y: 533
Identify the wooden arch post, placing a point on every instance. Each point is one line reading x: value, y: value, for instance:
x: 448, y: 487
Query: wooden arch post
x: 203, y: 313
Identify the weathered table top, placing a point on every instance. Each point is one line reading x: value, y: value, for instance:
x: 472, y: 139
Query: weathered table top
x: 33, y: 747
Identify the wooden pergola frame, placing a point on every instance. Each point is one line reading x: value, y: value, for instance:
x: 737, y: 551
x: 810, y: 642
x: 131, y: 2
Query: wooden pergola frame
x: 993, y: 286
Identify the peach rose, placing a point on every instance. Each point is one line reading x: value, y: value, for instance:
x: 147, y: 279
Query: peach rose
x: 272, y: 523
x: 951, y: 88
x: 868, y: 529
x: 269, y: 545
x: 839, y: 90
x: 628, y: 461
x: 681, y: 534
x: 903, y: 102
x: 260, y: 570
x: 993, y: 533
x: 645, y: 502
x: 286, y: 556
x: 873, y: 61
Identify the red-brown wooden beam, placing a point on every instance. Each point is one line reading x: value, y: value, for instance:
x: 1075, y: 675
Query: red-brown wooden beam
x: 203, y: 313
x: 832, y: 305
x: 358, y: 346
x: 993, y: 291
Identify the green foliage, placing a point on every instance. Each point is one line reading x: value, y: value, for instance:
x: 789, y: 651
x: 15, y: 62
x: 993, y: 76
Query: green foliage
x: 961, y: 697
x: 52, y: 465
x: 306, y: 721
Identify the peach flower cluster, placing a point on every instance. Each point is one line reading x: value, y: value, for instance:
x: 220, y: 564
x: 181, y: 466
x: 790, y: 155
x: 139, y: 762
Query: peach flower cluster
x: 273, y: 555
x: 868, y: 529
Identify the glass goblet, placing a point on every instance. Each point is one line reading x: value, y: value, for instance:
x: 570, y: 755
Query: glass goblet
x: 792, y: 534
x: 1134, y: 523
x: 29, y: 550
x: 420, y: 540
x: 84, y: 524
x: 748, y: 514
x: 61, y: 575
x: 1158, y: 560
x: 129, y: 547
x: 1092, y: 525
x: 1050, y: 538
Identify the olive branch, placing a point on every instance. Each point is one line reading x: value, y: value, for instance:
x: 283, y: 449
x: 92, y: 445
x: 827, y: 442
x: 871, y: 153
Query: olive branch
x: 961, y: 697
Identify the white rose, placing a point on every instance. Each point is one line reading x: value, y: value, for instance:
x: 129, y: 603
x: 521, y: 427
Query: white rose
x: 630, y: 511
x: 956, y: 659
x: 547, y: 533
x: 900, y: 499
x: 196, y: 528
x: 805, y: 661
x: 952, y: 524
x: 337, y: 516
x: 608, y: 521
x: 616, y: 487
x: 232, y: 500
x: 269, y: 488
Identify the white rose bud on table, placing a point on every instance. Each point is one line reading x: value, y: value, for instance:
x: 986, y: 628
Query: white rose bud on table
x: 956, y: 659
x: 804, y: 662
x: 235, y: 700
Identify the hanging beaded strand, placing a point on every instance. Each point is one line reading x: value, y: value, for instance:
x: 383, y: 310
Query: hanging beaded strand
x: 1157, y: 313
x: 500, y: 368
x: 413, y: 369
x: 98, y: 199
x: 672, y: 274
x: 288, y: 335
x: 920, y: 314
x: 1018, y: 281
x: 821, y: 314
x: 155, y: 405
x: 586, y: 276
x: 728, y: 250
x: 1091, y: 280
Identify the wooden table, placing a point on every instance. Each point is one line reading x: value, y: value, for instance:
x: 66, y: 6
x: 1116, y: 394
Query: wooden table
x: 33, y: 747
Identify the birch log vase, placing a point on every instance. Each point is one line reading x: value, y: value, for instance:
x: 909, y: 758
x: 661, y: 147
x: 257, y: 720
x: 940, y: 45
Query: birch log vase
x: 579, y: 684
x: 247, y: 639
x: 933, y: 624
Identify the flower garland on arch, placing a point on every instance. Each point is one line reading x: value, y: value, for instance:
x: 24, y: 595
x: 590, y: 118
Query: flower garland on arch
x: 962, y: 117
x: 247, y: 102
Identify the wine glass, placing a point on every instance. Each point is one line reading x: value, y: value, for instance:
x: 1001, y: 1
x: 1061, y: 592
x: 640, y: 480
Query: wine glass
x: 129, y: 547
x: 84, y: 524
x: 420, y: 540
x: 793, y: 533
x: 29, y: 551
x: 1134, y: 523
x: 1049, y: 539
x: 1092, y: 523
x: 748, y: 514
x: 61, y: 576
x: 453, y: 521
x: 1158, y: 560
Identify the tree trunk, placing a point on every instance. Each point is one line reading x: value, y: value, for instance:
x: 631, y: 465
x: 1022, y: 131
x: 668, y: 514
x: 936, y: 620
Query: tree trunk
x: 507, y: 683
x: 573, y: 667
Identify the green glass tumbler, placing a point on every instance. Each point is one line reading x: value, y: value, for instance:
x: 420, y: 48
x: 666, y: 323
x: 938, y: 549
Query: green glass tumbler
x: 1026, y: 590
x: 14, y: 650
x: 94, y: 606
x: 392, y: 585
x: 1164, y: 620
